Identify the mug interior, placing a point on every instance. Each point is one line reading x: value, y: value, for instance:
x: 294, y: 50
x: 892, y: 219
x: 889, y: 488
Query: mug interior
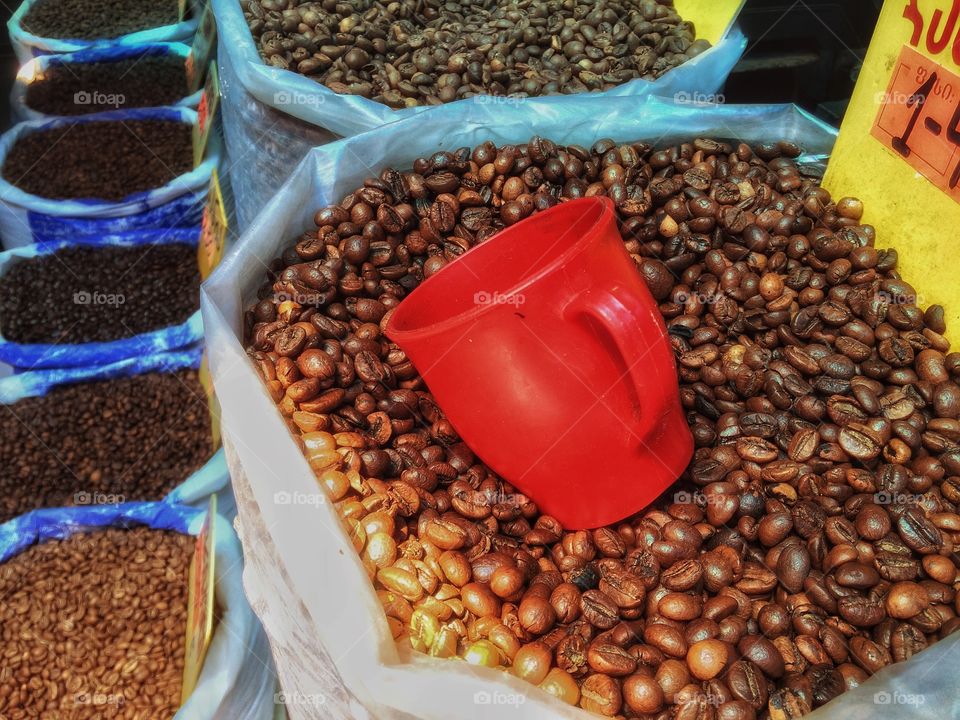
x: 496, y: 271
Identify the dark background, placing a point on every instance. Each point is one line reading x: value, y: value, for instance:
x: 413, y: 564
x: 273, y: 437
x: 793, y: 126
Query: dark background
x: 803, y: 51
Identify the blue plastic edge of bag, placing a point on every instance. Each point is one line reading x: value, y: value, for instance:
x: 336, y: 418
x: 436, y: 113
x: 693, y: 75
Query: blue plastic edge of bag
x: 26, y: 44
x: 348, y: 115
x: 62, y: 355
x: 104, y: 54
x: 212, y: 477
x: 39, y: 526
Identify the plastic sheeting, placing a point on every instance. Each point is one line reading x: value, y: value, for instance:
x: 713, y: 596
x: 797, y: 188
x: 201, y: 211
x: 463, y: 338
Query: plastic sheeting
x: 60, y: 355
x: 334, y: 651
x: 273, y: 117
x: 234, y: 684
x: 212, y: 478
x: 36, y: 67
x: 27, y: 218
x: 26, y: 45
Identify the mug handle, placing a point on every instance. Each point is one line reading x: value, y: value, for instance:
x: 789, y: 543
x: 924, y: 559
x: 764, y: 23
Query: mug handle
x: 641, y: 344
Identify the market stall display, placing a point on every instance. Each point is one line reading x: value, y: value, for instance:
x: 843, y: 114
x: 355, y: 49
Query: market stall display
x: 112, y: 172
x: 103, y: 79
x: 131, y: 430
x: 283, y: 113
x: 91, y: 301
x: 122, y: 573
x: 45, y: 27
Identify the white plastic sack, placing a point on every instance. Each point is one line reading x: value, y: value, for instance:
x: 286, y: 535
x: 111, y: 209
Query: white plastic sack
x: 58, y: 355
x: 27, y: 218
x: 336, y: 657
x: 233, y: 684
x: 26, y: 45
x: 36, y: 67
x: 273, y: 117
x: 211, y: 478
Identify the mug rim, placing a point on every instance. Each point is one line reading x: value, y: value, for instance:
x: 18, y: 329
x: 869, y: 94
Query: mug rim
x: 606, y: 208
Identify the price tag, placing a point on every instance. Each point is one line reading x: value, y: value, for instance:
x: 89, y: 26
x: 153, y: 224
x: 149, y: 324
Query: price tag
x: 200, y: 602
x: 206, y: 114
x: 204, y: 43
x: 213, y: 228
x: 899, y: 145
x: 711, y: 18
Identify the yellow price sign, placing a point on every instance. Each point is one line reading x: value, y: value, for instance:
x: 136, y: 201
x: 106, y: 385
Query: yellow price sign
x: 200, y: 602
x: 711, y: 18
x: 899, y: 145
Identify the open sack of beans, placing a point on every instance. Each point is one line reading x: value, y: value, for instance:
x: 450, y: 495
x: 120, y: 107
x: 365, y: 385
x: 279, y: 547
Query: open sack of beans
x: 102, y: 79
x: 95, y: 301
x: 45, y: 27
x: 136, y: 429
x: 101, y: 174
x: 809, y: 545
x: 95, y: 605
x: 299, y: 74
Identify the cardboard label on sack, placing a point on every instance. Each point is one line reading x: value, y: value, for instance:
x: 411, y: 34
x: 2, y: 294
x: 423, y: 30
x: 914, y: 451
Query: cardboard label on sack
x: 213, y: 229
x: 200, y: 603
x: 899, y: 146
x: 711, y: 18
x: 206, y: 114
x: 213, y: 404
x: 204, y: 43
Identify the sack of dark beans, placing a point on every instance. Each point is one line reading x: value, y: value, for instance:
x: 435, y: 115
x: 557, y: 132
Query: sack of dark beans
x: 103, y: 79
x: 48, y: 27
x: 94, y: 301
x: 299, y: 74
x: 106, y: 589
x: 807, y: 547
x: 138, y: 429
x: 102, y: 174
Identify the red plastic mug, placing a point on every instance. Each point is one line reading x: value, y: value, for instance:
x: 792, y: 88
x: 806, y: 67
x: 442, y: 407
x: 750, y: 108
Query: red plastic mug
x: 547, y: 353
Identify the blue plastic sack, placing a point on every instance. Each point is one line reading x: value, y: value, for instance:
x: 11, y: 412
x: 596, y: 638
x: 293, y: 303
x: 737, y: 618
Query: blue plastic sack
x: 273, y: 117
x: 233, y: 683
x: 60, y: 355
x: 27, y: 218
x: 212, y: 477
x: 353, y: 662
x: 26, y: 45
x: 109, y: 53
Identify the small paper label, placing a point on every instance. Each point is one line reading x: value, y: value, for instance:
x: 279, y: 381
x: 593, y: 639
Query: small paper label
x: 200, y: 603
x: 919, y: 119
x: 206, y: 114
x: 204, y: 43
x: 206, y: 380
x: 213, y: 229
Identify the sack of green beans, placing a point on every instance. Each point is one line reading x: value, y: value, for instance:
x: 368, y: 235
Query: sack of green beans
x: 104, y: 299
x: 101, y: 79
x: 137, y: 429
x: 108, y: 588
x: 803, y: 560
x: 45, y: 27
x: 111, y: 172
x: 286, y: 91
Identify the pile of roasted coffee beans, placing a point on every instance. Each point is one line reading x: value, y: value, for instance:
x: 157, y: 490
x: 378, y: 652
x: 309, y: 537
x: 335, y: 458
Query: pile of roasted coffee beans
x: 103, y: 442
x: 809, y: 544
x: 93, y: 626
x: 97, y: 294
x: 83, y: 88
x: 410, y: 53
x: 108, y: 160
x: 97, y: 19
